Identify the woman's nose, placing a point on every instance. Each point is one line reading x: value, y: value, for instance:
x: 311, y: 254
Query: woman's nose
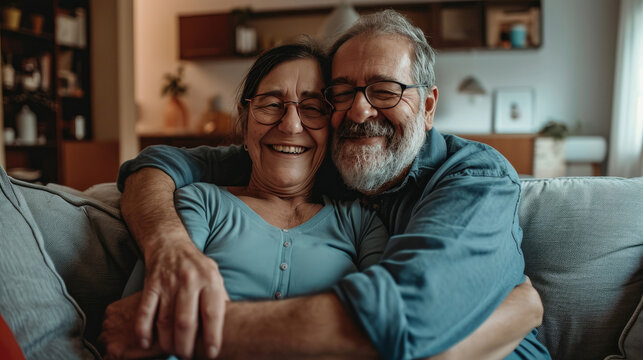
x: 291, y: 122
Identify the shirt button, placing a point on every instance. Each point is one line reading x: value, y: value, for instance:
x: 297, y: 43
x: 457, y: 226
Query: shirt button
x: 286, y: 244
x: 283, y: 266
x: 278, y: 295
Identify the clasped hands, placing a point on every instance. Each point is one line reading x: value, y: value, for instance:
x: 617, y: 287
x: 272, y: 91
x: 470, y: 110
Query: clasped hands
x: 183, y: 301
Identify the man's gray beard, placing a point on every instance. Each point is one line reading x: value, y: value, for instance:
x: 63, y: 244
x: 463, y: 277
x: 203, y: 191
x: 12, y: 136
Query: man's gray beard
x: 367, y: 168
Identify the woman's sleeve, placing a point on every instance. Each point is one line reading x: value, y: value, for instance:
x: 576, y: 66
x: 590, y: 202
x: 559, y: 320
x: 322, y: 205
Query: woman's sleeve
x: 194, y: 203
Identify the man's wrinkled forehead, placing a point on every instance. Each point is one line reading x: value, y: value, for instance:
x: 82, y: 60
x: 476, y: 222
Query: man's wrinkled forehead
x: 371, y: 58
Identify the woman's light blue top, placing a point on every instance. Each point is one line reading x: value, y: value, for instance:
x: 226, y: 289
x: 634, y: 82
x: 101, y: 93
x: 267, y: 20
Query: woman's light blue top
x: 260, y: 261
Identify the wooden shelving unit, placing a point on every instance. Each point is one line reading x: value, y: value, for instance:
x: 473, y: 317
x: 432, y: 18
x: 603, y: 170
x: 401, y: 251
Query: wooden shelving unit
x: 63, y: 91
x: 449, y: 26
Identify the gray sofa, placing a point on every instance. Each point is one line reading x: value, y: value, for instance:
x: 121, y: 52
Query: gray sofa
x: 583, y: 244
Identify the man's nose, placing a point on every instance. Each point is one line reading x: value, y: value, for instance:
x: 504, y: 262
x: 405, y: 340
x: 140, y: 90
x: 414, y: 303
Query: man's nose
x: 290, y: 122
x: 361, y: 110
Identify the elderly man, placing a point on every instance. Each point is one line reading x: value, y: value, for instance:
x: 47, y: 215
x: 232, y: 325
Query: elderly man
x: 450, y: 204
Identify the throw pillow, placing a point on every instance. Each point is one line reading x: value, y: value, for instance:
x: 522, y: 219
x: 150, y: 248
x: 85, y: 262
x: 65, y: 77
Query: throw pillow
x: 44, y: 318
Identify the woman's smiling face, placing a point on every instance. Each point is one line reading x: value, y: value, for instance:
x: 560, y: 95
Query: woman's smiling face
x: 286, y: 155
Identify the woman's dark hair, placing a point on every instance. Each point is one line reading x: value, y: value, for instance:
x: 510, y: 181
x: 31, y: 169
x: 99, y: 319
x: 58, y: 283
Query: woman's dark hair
x: 303, y: 48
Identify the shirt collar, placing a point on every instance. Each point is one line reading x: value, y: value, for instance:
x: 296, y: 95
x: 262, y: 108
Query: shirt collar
x: 432, y: 154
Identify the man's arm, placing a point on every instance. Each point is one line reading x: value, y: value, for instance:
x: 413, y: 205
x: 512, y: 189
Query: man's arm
x: 181, y: 283
x: 319, y: 327
x: 177, y: 274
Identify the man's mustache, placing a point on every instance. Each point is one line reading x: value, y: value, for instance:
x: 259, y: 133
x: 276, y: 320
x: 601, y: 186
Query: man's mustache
x: 371, y: 128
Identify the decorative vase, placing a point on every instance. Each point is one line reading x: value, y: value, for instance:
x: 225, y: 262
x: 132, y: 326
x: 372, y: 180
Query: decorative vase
x: 549, y: 157
x: 176, y: 115
x: 214, y: 121
x: 37, y: 21
x: 11, y: 17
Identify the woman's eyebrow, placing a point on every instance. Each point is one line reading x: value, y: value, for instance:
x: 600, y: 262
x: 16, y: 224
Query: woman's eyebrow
x: 277, y: 93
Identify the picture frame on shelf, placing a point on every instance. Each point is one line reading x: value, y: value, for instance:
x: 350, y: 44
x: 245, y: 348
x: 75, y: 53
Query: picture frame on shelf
x: 513, y: 110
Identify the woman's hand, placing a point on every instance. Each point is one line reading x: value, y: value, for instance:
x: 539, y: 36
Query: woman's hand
x: 118, y: 331
x: 182, y: 286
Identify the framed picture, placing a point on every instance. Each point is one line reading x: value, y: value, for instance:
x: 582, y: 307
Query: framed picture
x: 513, y: 110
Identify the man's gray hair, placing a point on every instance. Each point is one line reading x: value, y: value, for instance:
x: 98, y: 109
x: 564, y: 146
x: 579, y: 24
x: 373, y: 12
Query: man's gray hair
x: 390, y: 22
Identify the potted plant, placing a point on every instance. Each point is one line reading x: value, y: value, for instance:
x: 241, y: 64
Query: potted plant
x: 549, y: 150
x: 176, y: 115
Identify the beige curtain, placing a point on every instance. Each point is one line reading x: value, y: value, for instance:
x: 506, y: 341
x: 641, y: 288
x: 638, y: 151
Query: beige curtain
x: 626, y: 140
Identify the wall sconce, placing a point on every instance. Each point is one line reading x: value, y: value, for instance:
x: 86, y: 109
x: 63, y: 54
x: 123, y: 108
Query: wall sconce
x: 472, y: 86
x: 339, y: 20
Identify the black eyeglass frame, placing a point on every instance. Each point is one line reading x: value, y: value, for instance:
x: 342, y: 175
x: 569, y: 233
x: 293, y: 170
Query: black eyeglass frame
x: 362, y: 89
x: 296, y: 103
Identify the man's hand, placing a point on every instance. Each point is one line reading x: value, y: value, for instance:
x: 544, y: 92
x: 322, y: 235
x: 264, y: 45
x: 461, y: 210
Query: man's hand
x: 118, y: 331
x: 181, y: 284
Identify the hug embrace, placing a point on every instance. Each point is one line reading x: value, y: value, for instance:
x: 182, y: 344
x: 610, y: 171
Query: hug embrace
x: 345, y: 226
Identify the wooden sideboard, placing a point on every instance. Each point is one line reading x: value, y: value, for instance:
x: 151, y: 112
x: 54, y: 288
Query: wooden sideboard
x: 517, y: 148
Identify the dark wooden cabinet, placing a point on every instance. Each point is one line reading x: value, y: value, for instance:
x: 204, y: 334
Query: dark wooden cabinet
x: 205, y: 36
x: 448, y: 25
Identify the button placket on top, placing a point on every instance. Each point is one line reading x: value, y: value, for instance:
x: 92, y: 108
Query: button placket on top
x: 284, y: 264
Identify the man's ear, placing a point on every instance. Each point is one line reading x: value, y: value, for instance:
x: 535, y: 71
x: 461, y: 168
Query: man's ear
x: 430, y: 104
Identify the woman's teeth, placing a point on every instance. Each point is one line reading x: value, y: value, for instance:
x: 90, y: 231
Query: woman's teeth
x: 289, y: 149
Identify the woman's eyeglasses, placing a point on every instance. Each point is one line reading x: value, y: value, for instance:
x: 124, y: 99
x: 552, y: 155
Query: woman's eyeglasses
x: 266, y: 109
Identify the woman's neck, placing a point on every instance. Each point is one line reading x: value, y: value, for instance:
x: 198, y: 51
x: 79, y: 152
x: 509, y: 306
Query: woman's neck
x: 284, y: 208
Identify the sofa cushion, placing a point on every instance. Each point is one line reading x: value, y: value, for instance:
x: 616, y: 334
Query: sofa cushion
x: 44, y: 318
x: 583, y: 247
x: 89, y: 245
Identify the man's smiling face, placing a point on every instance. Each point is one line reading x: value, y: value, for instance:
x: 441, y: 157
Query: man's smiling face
x: 373, y: 148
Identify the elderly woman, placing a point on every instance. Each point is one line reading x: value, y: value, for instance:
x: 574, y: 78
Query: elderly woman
x: 276, y: 237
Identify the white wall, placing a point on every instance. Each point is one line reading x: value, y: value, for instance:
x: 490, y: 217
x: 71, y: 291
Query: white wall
x: 571, y: 73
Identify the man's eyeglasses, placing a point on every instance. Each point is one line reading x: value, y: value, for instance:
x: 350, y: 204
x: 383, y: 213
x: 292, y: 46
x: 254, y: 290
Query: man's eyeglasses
x: 381, y: 94
x: 269, y: 109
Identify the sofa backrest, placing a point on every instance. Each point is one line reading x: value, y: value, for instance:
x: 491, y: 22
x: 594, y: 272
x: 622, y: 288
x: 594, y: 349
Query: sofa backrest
x: 583, y: 247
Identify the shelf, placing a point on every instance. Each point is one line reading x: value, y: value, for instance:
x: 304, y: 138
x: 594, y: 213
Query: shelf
x: 65, y: 67
x: 36, y: 147
x: 71, y: 47
x: 26, y: 33
x: 449, y: 26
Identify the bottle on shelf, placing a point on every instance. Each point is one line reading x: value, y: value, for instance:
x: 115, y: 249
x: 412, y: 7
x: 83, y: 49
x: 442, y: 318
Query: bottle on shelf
x: 26, y: 123
x: 8, y: 74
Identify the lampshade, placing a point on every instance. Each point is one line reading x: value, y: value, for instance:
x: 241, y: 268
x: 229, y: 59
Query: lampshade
x: 342, y: 18
x: 471, y: 85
